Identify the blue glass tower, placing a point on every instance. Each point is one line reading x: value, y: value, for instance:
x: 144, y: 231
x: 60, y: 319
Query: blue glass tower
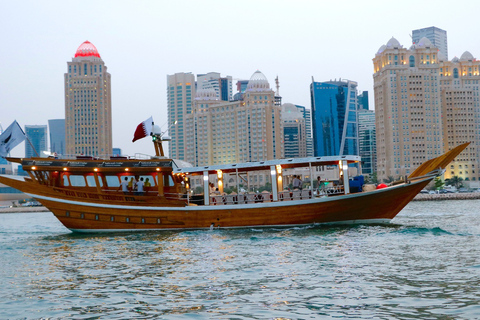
x: 57, y: 135
x: 38, y: 138
x: 334, y: 118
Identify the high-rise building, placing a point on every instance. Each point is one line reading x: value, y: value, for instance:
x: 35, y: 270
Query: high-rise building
x: 221, y: 85
x: 37, y: 135
x: 367, y: 141
x: 56, y: 128
x: 407, y: 107
x: 180, y: 97
x: 88, y: 104
x: 459, y: 85
x: 220, y: 132
x: 334, y: 118
x: 437, y: 37
x: 363, y: 101
x: 307, y: 115
x: 116, y: 152
x: 294, y: 131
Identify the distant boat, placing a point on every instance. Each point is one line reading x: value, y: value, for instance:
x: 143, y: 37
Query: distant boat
x: 85, y: 194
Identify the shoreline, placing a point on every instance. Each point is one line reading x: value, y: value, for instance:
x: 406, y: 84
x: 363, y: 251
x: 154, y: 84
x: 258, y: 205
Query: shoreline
x: 23, y: 209
x: 447, y: 196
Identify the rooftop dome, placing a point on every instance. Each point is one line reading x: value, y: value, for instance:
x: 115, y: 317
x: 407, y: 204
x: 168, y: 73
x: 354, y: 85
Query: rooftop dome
x: 441, y: 56
x: 455, y: 59
x: 466, y: 56
x: 87, y: 49
x: 206, y: 94
x: 381, y: 49
x: 258, y: 82
x: 393, y: 43
x: 424, y: 42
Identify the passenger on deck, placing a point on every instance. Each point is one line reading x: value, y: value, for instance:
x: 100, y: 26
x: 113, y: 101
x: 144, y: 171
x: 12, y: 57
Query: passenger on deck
x: 124, y: 186
x: 131, y: 184
x: 139, y: 187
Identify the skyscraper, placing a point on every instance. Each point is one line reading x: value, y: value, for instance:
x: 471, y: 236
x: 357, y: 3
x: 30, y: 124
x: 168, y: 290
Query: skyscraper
x: 56, y: 128
x: 437, y: 37
x: 407, y: 107
x: 334, y: 118
x: 88, y: 104
x: 180, y: 95
x: 367, y: 140
x: 221, y: 85
x: 459, y: 85
x: 363, y: 101
x: 37, y: 135
x: 294, y: 131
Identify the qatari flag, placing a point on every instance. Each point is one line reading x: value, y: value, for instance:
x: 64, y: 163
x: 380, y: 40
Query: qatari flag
x: 143, y: 129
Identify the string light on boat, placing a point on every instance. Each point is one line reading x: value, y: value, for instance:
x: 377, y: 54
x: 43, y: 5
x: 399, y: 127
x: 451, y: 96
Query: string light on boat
x: 158, y: 169
x: 279, y: 169
x: 65, y: 169
x: 126, y: 169
x: 34, y: 168
x: 96, y: 169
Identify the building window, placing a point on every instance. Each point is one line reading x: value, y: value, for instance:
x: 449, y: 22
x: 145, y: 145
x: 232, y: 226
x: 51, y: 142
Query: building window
x: 455, y: 72
x: 412, y: 61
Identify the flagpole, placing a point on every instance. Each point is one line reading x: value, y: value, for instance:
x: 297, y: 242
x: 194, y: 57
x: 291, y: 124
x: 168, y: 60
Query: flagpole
x: 32, y: 146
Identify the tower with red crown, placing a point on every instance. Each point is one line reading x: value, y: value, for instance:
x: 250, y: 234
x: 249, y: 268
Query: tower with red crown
x: 88, y: 104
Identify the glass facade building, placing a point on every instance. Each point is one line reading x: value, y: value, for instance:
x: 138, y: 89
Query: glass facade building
x: 38, y: 138
x: 437, y: 36
x: 57, y: 135
x: 368, y: 141
x: 334, y: 118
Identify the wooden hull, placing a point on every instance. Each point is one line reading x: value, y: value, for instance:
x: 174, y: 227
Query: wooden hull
x: 378, y: 206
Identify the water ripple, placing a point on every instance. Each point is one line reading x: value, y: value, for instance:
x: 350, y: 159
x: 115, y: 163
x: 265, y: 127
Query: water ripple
x: 425, y: 265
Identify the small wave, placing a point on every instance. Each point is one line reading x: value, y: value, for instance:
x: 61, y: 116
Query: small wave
x: 437, y: 231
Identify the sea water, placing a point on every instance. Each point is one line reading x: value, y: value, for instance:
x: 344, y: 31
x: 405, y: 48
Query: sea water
x: 424, y: 265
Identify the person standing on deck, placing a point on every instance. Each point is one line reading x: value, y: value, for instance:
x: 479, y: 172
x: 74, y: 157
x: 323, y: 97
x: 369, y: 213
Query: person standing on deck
x: 124, y: 186
x: 139, y: 187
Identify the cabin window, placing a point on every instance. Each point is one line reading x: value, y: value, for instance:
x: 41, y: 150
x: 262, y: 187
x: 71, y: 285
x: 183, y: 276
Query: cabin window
x: 127, y: 219
x: 67, y: 214
x: 96, y: 217
x: 91, y: 181
x: 168, y: 180
x: 113, y: 181
x: 66, y: 183
x: 112, y: 218
x: 77, y: 181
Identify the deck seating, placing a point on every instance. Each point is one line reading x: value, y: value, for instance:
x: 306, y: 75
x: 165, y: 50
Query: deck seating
x: 231, y: 199
x: 266, y: 196
x: 284, y: 195
x: 241, y: 198
x: 250, y: 198
x: 305, y: 194
x: 297, y: 194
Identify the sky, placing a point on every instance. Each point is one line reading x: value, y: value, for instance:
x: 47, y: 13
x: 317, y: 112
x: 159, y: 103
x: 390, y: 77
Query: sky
x: 143, y: 41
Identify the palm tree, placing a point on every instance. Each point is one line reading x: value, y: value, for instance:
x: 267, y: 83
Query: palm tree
x: 454, y: 181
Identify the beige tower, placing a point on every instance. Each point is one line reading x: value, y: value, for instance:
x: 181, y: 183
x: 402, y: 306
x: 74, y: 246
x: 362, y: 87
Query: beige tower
x: 220, y: 132
x: 88, y: 104
x: 459, y: 82
x: 407, y: 107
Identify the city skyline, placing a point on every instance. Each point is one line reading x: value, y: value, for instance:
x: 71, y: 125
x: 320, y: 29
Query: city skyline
x: 122, y: 33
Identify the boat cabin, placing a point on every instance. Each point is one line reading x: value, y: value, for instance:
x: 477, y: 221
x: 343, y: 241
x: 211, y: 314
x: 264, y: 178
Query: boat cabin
x: 163, y: 181
x: 278, y: 176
